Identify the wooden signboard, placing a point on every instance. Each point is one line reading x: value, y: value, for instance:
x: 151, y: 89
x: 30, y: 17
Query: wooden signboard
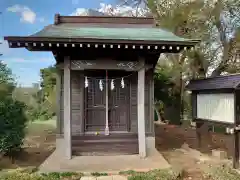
x: 216, y: 100
x: 216, y: 107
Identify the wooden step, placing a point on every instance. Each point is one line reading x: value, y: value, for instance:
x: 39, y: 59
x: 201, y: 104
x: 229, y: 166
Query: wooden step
x: 103, y: 149
x: 111, y: 136
x: 114, y: 144
x: 107, y: 141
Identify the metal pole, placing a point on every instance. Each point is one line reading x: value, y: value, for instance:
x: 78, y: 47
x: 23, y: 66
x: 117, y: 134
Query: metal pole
x: 106, y: 89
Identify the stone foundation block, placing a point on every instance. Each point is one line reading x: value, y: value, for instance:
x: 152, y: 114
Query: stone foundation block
x: 219, y: 154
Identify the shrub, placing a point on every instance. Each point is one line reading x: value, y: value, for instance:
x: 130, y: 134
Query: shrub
x: 12, y: 126
x: 165, y: 174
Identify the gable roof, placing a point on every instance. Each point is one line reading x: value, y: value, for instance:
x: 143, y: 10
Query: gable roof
x: 141, y: 30
x: 215, y: 83
x: 133, y: 34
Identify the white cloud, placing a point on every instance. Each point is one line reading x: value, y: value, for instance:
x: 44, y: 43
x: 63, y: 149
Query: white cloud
x: 79, y: 12
x: 108, y: 9
x: 27, y: 15
x: 122, y: 10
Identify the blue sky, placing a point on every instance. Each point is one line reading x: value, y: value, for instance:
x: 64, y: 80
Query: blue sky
x: 25, y: 17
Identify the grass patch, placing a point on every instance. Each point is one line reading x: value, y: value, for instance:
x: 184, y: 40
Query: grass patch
x: 96, y: 174
x: 165, y: 174
x: 50, y: 123
x: 40, y: 127
x: 23, y: 175
x: 222, y: 172
x: 127, y: 173
x: 70, y: 174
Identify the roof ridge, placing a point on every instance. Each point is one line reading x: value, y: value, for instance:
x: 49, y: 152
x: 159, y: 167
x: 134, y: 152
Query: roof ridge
x: 231, y: 81
x: 219, y: 76
x: 58, y: 19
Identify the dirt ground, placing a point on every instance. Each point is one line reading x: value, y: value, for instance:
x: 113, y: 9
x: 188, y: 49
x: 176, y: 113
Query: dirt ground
x: 178, y: 145
x: 40, y: 143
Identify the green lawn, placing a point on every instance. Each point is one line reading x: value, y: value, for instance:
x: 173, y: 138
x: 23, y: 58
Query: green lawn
x: 41, y: 127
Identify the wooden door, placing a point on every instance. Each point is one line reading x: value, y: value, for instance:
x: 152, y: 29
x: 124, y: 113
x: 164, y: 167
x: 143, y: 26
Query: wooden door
x: 119, y: 106
x: 95, y: 113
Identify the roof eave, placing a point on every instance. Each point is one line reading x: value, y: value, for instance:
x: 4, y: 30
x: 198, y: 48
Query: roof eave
x: 29, y: 39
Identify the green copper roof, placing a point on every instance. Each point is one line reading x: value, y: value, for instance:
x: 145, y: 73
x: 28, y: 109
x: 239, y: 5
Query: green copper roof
x: 144, y: 34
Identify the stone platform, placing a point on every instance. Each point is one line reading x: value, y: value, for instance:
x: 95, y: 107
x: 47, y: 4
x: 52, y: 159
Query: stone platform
x: 107, y: 164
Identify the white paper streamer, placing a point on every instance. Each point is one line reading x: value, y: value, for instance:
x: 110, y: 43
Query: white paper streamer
x: 101, y: 85
x: 112, y: 84
x: 122, y: 83
x: 86, y: 82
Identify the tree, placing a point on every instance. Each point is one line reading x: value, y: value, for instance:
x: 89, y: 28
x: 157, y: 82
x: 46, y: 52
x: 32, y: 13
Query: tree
x: 48, y: 79
x: 12, y: 115
x: 216, y: 24
x: 12, y: 126
x: 7, y: 82
x: 48, y: 90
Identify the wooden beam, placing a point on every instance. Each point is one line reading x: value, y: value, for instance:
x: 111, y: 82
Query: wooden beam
x: 108, y: 64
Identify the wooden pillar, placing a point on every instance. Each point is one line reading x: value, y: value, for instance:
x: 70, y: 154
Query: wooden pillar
x: 199, y: 133
x: 236, y: 132
x: 107, y: 108
x: 67, y: 108
x: 81, y: 97
x: 151, y: 104
x: 141, y: 112
x: 236, y: 150
x: 58, y: 101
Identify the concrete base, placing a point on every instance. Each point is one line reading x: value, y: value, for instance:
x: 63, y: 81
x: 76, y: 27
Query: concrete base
x: 219, y: 154
x: 150, y: 145
x: 108, y: 164
x: 60, y: 143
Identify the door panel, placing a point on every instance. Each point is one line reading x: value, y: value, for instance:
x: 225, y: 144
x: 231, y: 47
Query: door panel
x: 118, y: 107
x: 95, y: 113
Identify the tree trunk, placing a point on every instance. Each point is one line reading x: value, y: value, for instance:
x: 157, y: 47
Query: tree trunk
x: 181, y: 97
x: 158, y: 113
